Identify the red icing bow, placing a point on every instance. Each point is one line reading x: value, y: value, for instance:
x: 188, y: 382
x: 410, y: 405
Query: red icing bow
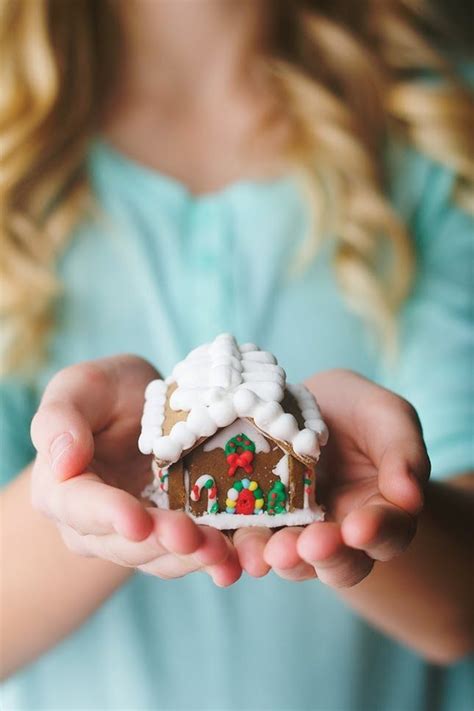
x: 243, y: 460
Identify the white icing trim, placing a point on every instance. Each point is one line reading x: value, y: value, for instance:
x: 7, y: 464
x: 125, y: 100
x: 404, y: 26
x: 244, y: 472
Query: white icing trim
x: 282, y: 470
x: 310, y: 411
x: 187, y: 486
x: 226, y: 521
x: 219, y: 382
x: 153, y: 415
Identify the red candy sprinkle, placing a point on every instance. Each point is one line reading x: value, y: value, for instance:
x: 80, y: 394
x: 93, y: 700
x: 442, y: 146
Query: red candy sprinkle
x: 245, y: 502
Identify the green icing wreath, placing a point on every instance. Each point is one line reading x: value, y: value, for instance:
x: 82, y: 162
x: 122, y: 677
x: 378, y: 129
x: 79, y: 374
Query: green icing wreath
x: 239, y: 441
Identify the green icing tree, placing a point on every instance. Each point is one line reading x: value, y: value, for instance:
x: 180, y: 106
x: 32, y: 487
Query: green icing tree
x: 276, y: 499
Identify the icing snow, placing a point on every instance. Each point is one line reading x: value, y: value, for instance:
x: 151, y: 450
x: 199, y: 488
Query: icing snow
x: 222, y: 437
x: 310, y: 411
x: 213, y: 372
x: 220, y: 382
x: 282, y: 470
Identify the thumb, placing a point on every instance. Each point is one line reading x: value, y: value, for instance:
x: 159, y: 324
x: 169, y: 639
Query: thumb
x: 77, y: 402
x: 63, y: 438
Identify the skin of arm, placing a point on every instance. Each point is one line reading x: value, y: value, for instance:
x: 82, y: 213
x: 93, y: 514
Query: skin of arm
x: 46, y: 590
x: 425, y: 597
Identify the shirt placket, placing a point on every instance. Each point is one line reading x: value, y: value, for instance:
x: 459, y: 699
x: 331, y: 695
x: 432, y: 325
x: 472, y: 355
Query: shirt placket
x: 210, y: 269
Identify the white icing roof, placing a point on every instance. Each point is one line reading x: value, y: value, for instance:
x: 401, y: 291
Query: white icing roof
x: 219, y: 382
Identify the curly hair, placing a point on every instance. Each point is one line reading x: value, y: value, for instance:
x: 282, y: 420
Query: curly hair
x: 350, y: 75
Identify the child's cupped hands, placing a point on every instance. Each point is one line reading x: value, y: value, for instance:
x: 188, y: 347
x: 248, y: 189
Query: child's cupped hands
x: 88, y: 476
x: 370, y: 479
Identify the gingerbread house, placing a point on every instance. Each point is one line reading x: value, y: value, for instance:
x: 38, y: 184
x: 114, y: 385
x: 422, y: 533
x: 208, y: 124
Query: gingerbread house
x: 234, y: 444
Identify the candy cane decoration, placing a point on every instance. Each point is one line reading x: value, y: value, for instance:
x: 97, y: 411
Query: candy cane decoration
x: 206, y: 481
x: 308, y: 487
x: 157, y: 490
x: 163, y: 479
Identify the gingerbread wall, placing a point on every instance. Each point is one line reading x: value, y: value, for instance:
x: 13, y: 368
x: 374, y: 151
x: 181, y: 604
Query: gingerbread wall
x: 214, y: 463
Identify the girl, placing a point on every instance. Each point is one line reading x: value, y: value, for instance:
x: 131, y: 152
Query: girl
x: 296, y: 173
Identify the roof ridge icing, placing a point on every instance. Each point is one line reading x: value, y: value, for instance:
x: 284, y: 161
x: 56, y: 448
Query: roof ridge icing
x: 219, y: 382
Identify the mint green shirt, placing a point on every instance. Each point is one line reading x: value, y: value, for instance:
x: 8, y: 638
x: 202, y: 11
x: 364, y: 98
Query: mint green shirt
x: 159, y: 272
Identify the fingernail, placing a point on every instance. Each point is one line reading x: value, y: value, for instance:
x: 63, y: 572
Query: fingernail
x: 58, y: 448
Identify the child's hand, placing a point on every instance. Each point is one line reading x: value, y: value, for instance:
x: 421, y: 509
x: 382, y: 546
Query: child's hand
x: 370, y: 479
x: 88, y: 476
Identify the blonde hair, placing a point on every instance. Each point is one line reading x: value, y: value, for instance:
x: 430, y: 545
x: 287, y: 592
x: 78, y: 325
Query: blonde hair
x: 349, y: 74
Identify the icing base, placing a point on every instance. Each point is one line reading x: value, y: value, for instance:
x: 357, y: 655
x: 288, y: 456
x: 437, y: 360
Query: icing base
x: 225, y: 521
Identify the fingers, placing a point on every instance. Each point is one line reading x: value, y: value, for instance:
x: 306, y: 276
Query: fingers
x: 78, y: 402
x: 403, y: 471
x: 89, y: 506
x: 341, y: 555
x: 250, y: 545
x: 177, y: 532
x: 115, y: 548
x: 229, y: 571
x: 88, y: 390
x: 322, y: 546
x: 381, y: 530
x: 394, y: 441
x: 172, y: 532
x: 170, y: 566
x: 282, y: 555
x: 214, y: 554
x: 81, y: 401
x: 213, y: 549
x: 209, y: 551
x: 382, y: 426
x: 298, y: 573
